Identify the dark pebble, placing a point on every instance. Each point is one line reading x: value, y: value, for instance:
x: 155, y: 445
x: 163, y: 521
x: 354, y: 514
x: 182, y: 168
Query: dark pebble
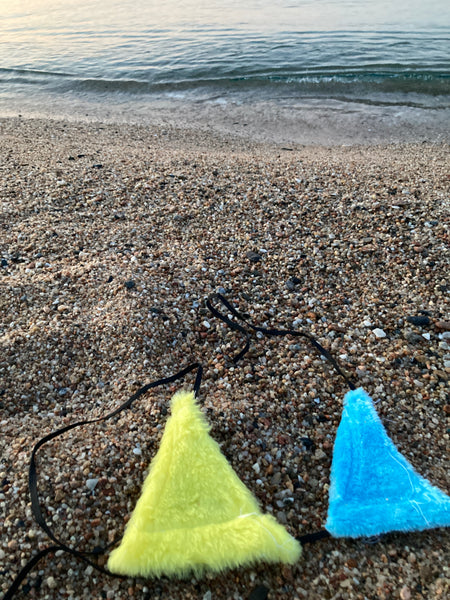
x: 155, y: 310
x: 259, y: 593
x: 307, y: 442
x: 414, y: 338
x: 292, y: 282
x: 4, y: 262
x: 130, y: 284
x: 419, y: 320
x: 97, y: 166
x: 322, y: 418
x: 253, y: 256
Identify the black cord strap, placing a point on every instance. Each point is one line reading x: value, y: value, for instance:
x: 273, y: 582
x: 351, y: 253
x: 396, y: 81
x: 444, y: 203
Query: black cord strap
x: 270, y: 333
x: 33, y: 480
x: 310, y: 538
x: 232, y: 324
x: 318, y: 535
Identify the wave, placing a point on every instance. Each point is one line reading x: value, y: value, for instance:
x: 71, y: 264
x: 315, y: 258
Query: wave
x: 324, y: 82
x: 384, y: 84
x: 37, y: 73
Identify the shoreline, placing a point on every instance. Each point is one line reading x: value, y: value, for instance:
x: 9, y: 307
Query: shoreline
x: 284, y: 121
x: 337, y: 241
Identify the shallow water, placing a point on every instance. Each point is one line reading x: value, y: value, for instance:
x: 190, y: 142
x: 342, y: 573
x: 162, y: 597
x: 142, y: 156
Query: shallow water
x: 128, y: 55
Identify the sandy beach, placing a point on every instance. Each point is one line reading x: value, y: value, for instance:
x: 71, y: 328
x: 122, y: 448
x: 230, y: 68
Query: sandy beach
x: 112, y: 237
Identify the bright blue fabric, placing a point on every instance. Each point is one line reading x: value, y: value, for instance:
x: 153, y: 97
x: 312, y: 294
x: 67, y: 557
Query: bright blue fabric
x: 374, y: 489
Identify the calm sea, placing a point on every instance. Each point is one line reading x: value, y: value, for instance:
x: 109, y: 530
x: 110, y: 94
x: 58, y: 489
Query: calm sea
x: 374, y: 52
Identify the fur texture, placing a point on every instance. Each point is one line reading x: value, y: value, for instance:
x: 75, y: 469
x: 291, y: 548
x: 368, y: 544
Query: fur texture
x: 194, y: 513
x: 374, y: 489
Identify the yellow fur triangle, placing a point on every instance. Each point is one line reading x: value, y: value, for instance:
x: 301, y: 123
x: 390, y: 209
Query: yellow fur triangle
x: 194, y: 513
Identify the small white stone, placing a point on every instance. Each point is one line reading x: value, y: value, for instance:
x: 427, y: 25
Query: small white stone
x: 367, y: 323
x: 256, y: 468
x: 426, y: 336
x: 51, y: 582
x: 379, y: 333
x: 206, y: 324
x: 137, y: 451
x: 91, y: 483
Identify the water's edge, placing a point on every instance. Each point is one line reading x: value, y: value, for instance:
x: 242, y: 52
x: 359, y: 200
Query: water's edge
x: 323, y: 122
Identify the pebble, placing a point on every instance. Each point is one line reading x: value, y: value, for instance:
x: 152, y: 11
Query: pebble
x: 253, y: 256
x: 51, y: 582
x: 276, y: 478
x: 419, y: 320
x: 378, y: 333
x: 405, y: 593
x: 91, y: 484
x: 292, y: 283
x: 281, y: 517
x: 414, y: 338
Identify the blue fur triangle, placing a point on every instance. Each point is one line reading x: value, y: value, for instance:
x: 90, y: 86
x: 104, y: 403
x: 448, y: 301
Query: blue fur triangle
x: 374, y: 489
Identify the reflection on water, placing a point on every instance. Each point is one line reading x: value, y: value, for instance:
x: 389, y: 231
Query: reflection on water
x: 364, y: 50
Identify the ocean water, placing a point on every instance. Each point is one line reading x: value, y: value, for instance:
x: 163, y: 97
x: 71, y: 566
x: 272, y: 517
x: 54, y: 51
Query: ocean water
x: 131, y: 54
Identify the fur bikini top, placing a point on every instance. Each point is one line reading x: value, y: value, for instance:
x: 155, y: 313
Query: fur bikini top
x: 196, y: 515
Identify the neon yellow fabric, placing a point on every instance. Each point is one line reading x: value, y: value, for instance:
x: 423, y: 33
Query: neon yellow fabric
x: 194, y: 513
